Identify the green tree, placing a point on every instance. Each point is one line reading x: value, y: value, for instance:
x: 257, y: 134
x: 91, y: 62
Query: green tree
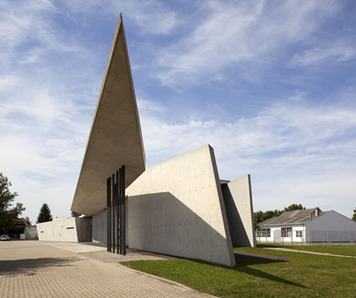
x: 28, y: 221
x: 354, y: 216
x: 45, y: 214
x: 7, y: 211
x: 294, y: 207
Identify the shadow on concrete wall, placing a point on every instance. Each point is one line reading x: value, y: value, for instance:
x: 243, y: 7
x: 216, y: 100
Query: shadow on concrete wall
x: 238, y: 233
x: 29, y: 266
x: 160, y: 222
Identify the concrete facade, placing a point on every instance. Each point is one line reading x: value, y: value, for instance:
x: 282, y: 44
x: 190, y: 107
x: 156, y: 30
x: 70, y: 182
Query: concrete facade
x: 238, y: 203
x: 177, y: 208
x: 73, y: 229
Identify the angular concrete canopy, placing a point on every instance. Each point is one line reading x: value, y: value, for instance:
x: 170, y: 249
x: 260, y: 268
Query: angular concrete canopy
x: 115, y: 138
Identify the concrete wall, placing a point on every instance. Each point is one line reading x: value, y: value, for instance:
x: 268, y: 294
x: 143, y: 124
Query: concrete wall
x: 30, y: 232
x: 239, y: 210
x: 331, y: 227
x: 99, y: 227
x: 177, y: 208
x: 84, y: 229
x: 73, y: 229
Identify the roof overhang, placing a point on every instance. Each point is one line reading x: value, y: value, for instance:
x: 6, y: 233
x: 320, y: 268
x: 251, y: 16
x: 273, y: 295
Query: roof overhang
x: 115, y: 138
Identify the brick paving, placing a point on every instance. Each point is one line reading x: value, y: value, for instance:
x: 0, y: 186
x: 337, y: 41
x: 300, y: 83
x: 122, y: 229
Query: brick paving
x: 36, y: 269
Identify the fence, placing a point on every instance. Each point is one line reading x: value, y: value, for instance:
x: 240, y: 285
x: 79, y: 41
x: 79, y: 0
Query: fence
x: 310, y: 237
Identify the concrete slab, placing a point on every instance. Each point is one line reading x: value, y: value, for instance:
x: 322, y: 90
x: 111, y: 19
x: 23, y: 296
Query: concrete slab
x: 238, y: 202
x: 176, y: 208
x: 115, y: 138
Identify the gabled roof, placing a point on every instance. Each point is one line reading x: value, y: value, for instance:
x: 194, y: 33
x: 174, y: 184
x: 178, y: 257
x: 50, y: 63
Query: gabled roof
x: 295, y: 217
x: 115, y: 138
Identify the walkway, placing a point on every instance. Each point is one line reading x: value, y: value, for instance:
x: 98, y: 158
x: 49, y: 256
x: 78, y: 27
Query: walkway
x: 309, y: 252
x: 39, y: 269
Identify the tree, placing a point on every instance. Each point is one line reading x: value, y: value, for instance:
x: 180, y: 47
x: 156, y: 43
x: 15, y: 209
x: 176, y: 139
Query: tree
x: 28, y: 221
x: 294, y: 207
x: 45, y: 214
x: 7, y: 211
x: 354, y: 216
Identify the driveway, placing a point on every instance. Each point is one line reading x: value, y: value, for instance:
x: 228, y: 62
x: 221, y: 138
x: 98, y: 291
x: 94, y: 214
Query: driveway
x: 40, y: 269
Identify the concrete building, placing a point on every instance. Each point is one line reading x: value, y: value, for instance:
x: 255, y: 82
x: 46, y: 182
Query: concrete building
x: 72, y: 229
x: 307, y: 226
x: 179, y: 207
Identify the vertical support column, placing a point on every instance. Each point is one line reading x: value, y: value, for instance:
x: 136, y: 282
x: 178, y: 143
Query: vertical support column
x: 117, y: 202
x: 113, y: 212
x: 122, y: 215
x: 108, y: 213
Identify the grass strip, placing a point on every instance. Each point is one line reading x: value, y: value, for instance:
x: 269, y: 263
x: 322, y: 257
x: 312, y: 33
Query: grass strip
x: 302, y: 276
x: 346, y: 250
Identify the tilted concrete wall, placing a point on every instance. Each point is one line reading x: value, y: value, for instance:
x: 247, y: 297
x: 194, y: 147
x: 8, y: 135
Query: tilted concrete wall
x: 99, y: 227
x: 177, y: 208
x: 239, y: 210
x: 73, y: 229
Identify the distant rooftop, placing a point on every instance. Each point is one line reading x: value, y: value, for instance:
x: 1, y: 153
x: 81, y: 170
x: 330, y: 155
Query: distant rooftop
x: 295, y: 217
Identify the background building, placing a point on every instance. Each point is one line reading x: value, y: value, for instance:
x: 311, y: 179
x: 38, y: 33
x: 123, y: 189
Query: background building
x: 307, y: 226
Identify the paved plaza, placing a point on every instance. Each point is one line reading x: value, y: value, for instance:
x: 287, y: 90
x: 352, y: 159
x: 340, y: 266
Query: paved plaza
x: 55, y: 269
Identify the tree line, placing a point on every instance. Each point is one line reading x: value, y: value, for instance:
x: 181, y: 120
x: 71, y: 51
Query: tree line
x: 10, y: 212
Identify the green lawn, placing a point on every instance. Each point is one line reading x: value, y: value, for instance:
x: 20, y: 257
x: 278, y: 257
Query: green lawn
x: 347, y: 250
x: 303, y: 275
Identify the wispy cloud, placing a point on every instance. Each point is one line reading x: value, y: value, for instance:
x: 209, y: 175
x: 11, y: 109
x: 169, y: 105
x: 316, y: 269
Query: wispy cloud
x: 152, y: 17
x: 54, y: 54
x: 236, y: 33
x: 332, y: 53
x: 288, y: 147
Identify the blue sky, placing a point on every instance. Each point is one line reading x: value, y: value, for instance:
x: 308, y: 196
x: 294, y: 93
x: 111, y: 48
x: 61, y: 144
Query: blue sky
x: 269, y: 84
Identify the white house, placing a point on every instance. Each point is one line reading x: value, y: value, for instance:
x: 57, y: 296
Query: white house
x: 307, y: 226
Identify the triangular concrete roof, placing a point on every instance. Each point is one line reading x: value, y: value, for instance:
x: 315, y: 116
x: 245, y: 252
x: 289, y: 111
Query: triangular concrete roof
x: 115, y: 138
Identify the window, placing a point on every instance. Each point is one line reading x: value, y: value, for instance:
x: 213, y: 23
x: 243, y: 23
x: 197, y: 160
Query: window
x: 299, y: 234
x: 265, y: 233
x: 286, y: 232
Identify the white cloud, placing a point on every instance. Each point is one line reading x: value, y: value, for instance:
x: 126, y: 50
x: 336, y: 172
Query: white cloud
x: 230, y: 33
x: 295, y: 153
x: 152, y: 17
x: 334, y: 52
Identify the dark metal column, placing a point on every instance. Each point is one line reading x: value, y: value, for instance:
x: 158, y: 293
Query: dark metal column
x: 113, y: 212
x: 117, y: 202
x: 116, y: 225
x: 108, y: 213
x: 122, y: 214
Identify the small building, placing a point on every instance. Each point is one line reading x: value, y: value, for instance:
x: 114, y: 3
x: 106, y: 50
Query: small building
x: 307, y: 226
